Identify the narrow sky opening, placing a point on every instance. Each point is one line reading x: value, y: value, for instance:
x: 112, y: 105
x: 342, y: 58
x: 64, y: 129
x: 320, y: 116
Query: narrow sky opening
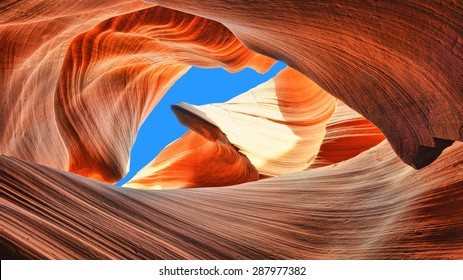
x: 198, y: 86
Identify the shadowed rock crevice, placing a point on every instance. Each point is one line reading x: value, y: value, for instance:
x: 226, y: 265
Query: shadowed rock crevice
x: 427, y: 155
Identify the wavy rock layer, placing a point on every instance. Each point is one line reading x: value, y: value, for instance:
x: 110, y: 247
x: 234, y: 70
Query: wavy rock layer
x: 272, y: 129
x: 34, y: 37
x: 397, y: 63
x: 75, y: 101
x: 279, y: 125
x: 347, y: 135
x: 193, y: 161
x: 385, y: 210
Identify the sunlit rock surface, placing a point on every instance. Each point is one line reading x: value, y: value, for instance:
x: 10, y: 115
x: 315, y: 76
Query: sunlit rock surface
x: 347, y: 135
x: 372, y: 206
x: 78, y: 78
x: 75, y: 101
x: 398, y: 63
x: 278, y: 125
x: 193, y: 161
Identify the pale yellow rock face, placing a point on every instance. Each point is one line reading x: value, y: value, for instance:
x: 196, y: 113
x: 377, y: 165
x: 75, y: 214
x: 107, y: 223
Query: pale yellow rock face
x: 277, y: 127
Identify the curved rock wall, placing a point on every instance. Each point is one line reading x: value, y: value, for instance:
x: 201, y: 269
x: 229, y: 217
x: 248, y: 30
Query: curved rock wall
x: 77, y: 79
x: 372, y: 206
x: 76, y: 100
x: 398, y: 63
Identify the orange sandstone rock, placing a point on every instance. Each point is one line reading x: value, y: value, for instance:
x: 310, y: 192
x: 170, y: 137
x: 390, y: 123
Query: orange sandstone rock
x: 347, y: 135
x: 372, y: 206
x: 272, y: 129
x: 279, y: 125
x: 76, y: 88
x: 397, y: 63
x: 193, y: 161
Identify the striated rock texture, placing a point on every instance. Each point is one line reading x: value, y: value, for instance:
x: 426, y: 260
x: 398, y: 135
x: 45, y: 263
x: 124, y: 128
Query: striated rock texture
x: 193, y: 161
x: 140, y: 55
x: 77, y: 79
x: 75, y: 100
x: 277, y: 127
x: 398, y: 63
x: 372, y: 206
x: 347, y: 135
x: 34, y: 37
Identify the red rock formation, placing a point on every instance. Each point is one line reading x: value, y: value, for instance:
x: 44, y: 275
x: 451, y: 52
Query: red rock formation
x: 193, y: 161
x: 372, y: 206
x: 34, y: 36
x: 279, y: 125
x: 272, y: 129
x: 153, y: 49
x: 397, y: 63
x: 78, y: 79
x: 347, y: 135
x: 76, y: 102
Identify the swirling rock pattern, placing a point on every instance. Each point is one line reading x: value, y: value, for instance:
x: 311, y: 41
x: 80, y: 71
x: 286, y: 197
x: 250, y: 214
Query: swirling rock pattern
x: 153, y: 49
x: 82, y: 106
x: 78, y: 78
x: 193, y: 161
x: 277, y: 127
x: 34, y: 36
x: 384, y: 210
x: 347, y: 135
x: 397, y: 63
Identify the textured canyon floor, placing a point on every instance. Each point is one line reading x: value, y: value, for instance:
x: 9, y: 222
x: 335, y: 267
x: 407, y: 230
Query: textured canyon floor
x: 358, y: 209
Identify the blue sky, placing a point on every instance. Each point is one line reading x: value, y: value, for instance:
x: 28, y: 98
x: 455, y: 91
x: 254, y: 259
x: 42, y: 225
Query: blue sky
x: 198, y: 86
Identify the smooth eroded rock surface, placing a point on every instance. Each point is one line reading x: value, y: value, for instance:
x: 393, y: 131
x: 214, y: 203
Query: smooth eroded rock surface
x: 347, y: 135
x: 372, y: 206
x: 75, y: 101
